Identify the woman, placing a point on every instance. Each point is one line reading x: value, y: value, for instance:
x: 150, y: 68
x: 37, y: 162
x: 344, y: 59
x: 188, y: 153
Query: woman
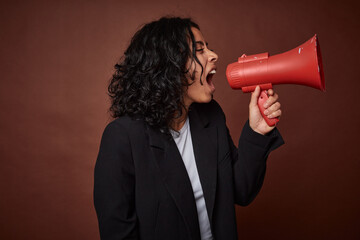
x: 167, y: 167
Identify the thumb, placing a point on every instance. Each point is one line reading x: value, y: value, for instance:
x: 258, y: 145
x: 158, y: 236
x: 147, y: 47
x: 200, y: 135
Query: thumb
x: 254, y: 96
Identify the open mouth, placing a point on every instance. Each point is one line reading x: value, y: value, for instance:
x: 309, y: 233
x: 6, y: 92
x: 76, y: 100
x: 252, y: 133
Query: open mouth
x: 209, y: 78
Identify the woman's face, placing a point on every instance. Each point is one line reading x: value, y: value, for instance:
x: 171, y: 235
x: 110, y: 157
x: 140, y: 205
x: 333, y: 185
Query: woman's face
x: 197, y: 92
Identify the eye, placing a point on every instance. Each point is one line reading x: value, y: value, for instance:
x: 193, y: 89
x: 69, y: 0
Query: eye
x: 200, y: 50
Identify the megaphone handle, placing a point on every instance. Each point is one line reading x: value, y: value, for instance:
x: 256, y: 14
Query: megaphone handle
x: 262, y: 99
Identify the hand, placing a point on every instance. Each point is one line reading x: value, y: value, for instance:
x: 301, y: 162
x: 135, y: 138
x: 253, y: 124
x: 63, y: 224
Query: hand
x: 272, y: 106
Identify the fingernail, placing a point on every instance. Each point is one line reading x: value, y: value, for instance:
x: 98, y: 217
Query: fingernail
x: 265, y: 105
x: 266, y: 112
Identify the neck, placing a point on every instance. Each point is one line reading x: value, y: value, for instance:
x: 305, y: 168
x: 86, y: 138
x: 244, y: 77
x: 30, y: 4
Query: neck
x: 179, y: 122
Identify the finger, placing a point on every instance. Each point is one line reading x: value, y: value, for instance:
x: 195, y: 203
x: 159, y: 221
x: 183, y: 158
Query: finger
x: 254, y: 96
x: 276, y: 114
x: 274, y: 107
x: 270, y: 92
x: 271, y: 100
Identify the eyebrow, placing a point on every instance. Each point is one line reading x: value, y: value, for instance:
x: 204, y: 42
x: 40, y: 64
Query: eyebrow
x: 201, y: 43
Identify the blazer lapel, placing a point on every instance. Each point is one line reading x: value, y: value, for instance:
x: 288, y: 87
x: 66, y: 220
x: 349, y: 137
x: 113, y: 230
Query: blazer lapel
x: 204, y: 138
x: 174, y: 175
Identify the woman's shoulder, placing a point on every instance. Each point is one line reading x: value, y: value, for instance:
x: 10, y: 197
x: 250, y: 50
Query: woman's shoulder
x: 124, y: 125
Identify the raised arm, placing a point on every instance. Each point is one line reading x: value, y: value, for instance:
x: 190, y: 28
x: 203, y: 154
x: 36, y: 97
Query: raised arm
x: 257, y: 140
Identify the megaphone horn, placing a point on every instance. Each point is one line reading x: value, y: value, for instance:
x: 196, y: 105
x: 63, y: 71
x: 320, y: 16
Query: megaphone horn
x: 301, y: 65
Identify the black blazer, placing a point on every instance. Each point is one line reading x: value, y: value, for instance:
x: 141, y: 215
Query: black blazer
x: 142, y: 190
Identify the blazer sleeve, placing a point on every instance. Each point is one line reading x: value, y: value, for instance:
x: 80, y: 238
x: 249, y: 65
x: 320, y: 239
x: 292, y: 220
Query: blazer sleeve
x: 114, y: 185
x: 249, y: 162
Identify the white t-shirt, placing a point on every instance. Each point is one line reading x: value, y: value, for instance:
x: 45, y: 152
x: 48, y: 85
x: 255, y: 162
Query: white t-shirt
x: 185, y: 146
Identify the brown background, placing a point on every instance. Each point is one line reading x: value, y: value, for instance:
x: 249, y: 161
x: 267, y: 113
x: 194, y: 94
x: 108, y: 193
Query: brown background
x: 57, y: 57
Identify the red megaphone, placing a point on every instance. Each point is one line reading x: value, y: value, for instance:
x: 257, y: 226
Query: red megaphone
x: 301, y: 65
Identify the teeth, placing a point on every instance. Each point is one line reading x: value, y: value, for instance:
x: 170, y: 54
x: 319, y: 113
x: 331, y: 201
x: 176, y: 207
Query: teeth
x: 212, y: 72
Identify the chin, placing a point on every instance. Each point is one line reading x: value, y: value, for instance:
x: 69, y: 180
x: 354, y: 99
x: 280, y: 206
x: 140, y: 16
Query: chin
x: 206, y: 99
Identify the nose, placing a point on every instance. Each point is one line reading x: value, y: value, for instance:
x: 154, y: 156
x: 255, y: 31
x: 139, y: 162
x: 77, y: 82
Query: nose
x: 213, y: 57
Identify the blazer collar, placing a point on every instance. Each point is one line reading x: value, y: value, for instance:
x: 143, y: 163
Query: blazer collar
x: 204, y: 138
x: 173, y: 171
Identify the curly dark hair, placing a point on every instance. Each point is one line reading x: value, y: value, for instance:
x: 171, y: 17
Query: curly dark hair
x: 151, y: 78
